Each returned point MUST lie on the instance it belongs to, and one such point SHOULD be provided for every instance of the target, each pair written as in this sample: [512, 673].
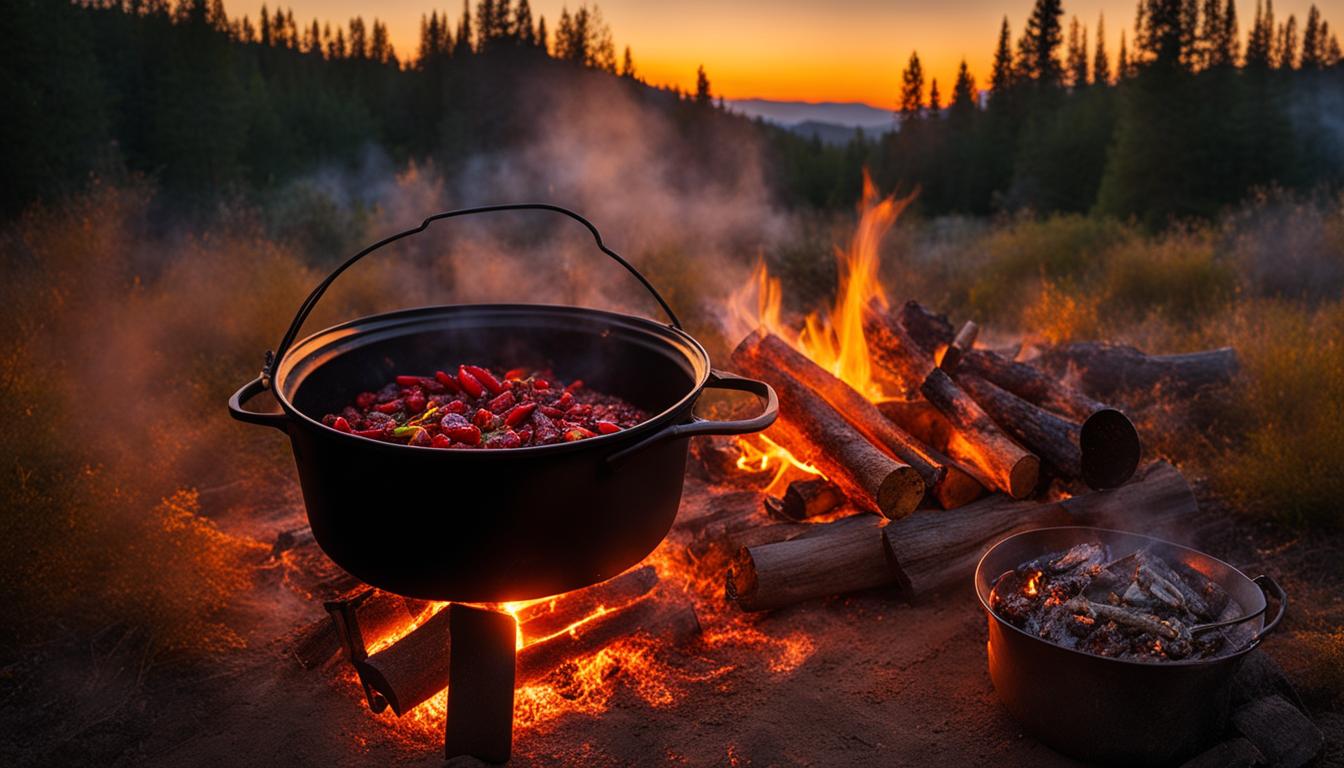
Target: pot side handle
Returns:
[1270, 587]
[248, 391]
[697, 426]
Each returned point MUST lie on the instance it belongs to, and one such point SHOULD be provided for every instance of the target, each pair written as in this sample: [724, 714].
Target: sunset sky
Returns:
[841, 50]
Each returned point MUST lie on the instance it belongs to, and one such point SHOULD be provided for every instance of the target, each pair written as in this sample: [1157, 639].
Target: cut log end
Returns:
[1110, 449]
[1023, 476]
[900, 493]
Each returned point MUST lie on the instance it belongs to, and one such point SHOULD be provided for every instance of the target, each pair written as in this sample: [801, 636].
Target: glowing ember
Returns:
[1033, 585]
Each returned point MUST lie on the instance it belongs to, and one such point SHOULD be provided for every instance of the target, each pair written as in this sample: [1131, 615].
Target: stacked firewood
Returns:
[972, 422]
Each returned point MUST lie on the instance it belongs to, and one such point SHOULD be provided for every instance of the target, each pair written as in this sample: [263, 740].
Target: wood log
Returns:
[816, 433]
[769, 534]
[672, 621]
[929, 330]
[932, 551]
[1105, 369]
[961, 483]
[893, 350]
[550, 616]
[844, 556]
[979, 441]
[962, 343]
[415, 667]
[950, 484]
[377, 614]
[479, 722]
[1286, 737]
[1031, 384]
[809, 498]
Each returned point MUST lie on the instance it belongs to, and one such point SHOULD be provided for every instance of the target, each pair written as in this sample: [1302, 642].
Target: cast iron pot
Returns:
[1115, 711]
[493, 525]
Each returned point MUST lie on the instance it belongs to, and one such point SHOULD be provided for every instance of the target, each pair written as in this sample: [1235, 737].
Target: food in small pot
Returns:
[1138, 607]
[474, 407]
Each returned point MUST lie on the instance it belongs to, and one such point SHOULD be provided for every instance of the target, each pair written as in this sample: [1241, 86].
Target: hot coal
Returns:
[477, 408]
[1138, 606]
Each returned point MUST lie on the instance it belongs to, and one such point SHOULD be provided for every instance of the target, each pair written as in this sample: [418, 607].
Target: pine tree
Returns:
[1230, 42]
[359, 44]
[543, 38]
[1287, 46]
[702, 94]
[1122, 65]
[522, 24]
[912, 89]
[1312, 55]
[265, 22]
[1259, 45]
[1001, 76]
[935, 98]
[1075, 56]
[1333, 57]
[463, 45]
[1190, 34]
[628, 64]
[1038, 50]
[1210, 35]
[1164, 39]
[1101, 65]
[963, 92]
[314, 42]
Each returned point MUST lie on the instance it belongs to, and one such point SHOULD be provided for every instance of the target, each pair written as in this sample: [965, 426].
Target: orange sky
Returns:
[841, 50]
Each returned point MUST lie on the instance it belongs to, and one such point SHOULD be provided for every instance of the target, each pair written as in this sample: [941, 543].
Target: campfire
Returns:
[902, 450]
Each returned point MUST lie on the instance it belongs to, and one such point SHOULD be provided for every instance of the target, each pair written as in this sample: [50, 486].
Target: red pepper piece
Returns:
[565, 401]
[577, 433]
[506, 439]
[485, 377]
[607, 427]
[468, 382]
[447, 380]
[573, 385]
[541, 385]
[519, 414]
[365, 400]
[483, 419]
[415, 402]
[554, 413]
[391, 406]
[408, 381]
[515, 374]
[441, 441]
[467, 433]
[456, 406]
[502, 403]
[525, 435]
[341, 425]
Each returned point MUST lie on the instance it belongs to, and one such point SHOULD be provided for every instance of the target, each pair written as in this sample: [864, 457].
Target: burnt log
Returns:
[1105, 369]
[893, 350]
[674, 622]
[809, 498]
[843, 556]
[962, 343]
[374, 612]
[929, 330]
[816, 433]
[979, 441]
[547, 617]
[961, 483]
[1104, 450]
[1286, 737]
[415, 667]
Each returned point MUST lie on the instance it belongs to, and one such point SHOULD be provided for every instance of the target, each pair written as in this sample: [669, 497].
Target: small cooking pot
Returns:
[493, 525]
[1117, 711]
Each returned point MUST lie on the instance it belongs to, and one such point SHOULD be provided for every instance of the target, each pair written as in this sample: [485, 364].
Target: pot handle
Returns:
[272, 358]
[696, 426]
[1269, 586]
[248, 391]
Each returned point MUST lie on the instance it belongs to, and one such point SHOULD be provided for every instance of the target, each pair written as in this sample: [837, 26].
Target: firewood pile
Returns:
[912, 490]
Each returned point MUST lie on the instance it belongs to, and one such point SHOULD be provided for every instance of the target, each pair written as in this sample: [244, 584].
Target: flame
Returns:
[761, 454]
[1033, 586]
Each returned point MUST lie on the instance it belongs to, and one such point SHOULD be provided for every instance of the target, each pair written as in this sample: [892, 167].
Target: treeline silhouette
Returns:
[209, 105]
[1184, 122]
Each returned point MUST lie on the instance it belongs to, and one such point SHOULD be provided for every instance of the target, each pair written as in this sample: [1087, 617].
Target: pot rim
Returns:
[979, 567]
[652, 328]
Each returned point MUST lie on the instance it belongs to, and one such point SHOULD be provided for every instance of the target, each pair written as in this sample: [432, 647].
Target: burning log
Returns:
[809, 498]
[1011, 468]
[815, 432]
[415, 667]
[550, 616]
[927, 329]
[843, 556]
[950, 484]
[1105, 369]
[961, 484]
[894, 350]
[673, 622]
[961, 344]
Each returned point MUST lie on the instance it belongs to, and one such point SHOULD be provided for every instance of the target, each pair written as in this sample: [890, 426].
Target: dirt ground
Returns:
[856, 680]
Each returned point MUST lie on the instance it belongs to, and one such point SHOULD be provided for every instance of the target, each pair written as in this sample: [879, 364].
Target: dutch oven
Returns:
[504, 524]
[1119, 711]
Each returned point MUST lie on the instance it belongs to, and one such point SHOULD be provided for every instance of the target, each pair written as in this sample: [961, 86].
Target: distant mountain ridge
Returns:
[848, 114]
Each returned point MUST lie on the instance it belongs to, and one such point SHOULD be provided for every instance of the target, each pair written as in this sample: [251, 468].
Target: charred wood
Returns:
[1105, 369]
[979, 441]
[674, 622]
[809, 498]
[839, 557]
[550, 616]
